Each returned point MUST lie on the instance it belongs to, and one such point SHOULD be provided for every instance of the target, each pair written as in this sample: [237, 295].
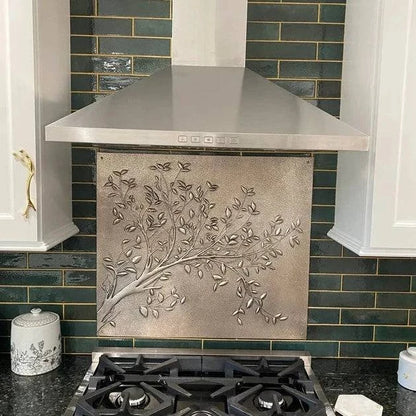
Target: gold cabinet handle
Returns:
[24, 158]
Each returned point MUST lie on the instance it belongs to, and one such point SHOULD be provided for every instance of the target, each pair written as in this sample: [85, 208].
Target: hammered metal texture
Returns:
[203, 246]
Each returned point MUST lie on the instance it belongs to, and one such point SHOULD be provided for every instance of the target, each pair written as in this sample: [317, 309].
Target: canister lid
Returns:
[35, 318]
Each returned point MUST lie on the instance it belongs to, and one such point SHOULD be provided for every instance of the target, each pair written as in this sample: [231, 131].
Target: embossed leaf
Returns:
[216, 277]
[160, 297]
[240, 322]
[112, 323]
[155, 313]
[144, 311]
[136, 259]
[200, 274]
[187, 268]
[183, 300]
[223, 283]
[249, 302]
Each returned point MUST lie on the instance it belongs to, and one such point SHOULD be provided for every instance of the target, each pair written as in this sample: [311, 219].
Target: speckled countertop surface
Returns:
[49, 394]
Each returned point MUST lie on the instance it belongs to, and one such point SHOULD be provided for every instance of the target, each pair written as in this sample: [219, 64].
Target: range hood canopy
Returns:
[207, 98]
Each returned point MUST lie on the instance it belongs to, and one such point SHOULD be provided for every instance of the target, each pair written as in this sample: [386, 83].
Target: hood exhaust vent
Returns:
[207, 98]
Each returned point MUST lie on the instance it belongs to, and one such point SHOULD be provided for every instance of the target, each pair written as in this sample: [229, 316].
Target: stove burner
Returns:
[136, 395]
[202, 413]
[267, 398]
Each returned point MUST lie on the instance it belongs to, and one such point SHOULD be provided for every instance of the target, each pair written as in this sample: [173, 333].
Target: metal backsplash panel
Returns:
[203, 246]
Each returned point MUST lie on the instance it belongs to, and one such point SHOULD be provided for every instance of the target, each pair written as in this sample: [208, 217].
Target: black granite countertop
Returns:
[49, 394]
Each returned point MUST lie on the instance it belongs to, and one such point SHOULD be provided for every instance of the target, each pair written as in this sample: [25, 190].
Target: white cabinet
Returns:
[376, 202]
[34, 91]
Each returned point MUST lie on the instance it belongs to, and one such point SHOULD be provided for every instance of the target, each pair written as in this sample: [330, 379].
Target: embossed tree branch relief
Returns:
[173, 228]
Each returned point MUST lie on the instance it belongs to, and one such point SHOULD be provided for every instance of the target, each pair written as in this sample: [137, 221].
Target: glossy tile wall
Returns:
[358, 307]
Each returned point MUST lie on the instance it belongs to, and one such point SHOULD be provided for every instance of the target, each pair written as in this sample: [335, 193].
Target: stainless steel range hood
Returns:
[207, 98]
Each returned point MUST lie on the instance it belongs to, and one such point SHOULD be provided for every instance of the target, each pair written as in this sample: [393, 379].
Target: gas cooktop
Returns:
[147, 382]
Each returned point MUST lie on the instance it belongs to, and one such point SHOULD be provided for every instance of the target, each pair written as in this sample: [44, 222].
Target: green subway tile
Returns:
[80, 100]
[299, 88]
[311, 70]
[340, 333]
[11, 260]
[68, 295]
[324, 282]
[135, 46]
[324, 179]
[100, 26]
[86, 226]
[30, 277]
[396, 300]
[374, 316]
[83, 82]
[83, 156]
[377, 283]
[120, 65]
[115, 83]
[4, 344]
[329, 89]
[78, 329]
[5, 328]
[82, 7]
[280, 50]
[13, 294]
[414, 284]
[167, 343]
[81, 312]
[80, 278]
[330, 51]
[109, 342]
[153, 27]
[282, 12]
[370, 350]
[323, 316]
[323, 214]
[10, 311]
[317, 349]
[325, 248]
[264, 68]
[83, 209]
[312, 32]
[234, 344]
[60, 260]
[343, 265]
[325, 161]
[323, 196]
[342, 299]
[397, 266]
[83, 173]
[83, 44]
[262, 31]
[312, 1]
[146, 66]
[348, 253]
[412, 318]
[142, 8]
[83, 191]
[390, 333]
[80, 345]
[320, 231]
[80, 243]
[332, 13]
[330, 106]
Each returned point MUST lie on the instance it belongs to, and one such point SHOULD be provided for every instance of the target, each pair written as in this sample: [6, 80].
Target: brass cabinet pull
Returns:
[24, 158]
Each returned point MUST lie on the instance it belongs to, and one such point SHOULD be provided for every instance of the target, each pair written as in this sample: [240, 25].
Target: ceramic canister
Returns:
[35, 342]
[407, 368]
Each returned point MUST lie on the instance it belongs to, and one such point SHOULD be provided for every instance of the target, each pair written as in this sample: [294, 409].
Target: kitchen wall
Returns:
[359, 307]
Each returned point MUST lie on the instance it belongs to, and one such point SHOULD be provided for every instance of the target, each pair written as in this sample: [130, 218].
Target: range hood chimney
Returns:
[207, 98]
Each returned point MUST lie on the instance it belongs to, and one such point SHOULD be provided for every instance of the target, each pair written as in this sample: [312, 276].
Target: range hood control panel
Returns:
[198, 140]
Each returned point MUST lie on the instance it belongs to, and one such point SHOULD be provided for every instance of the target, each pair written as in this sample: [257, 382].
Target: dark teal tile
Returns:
[395, 333]
[108, 64]
[312, 1]
[330, 106]
[142, 8]
[323, 196]
[370, 350]
[115, 83]
[4, 344]
[348, 253]
[299, 88]
[83, 173]
[83, 44]
[413, 283]
[134, 46]
[146, 66]
[330, 51]
[412, 318]
[61, 260]
[86, 226]
[100, 26]
[80, 278]
[13, 294]
[324, 282]
[10, 260]
[80, 100]
[83, 209]
[397, 266]
[396, 300]
[83, 191]
[83, 156]
[83, 82]
[63, 294]
[282, 12]
[80, 243]
[373, 317]
[80, 345]
[312, 32]
[342, 299]
[325, 248]
[280, 50]
[377, 283]
[31, 277]
[153, 27]
[240, 344]
[108, 342]
[82, 7]
[10, 311]
[325, 161]
[332, 13]
[311, 70]
[323, 316]
[323, 214]
[320, 231]
[78, 329]
[264, 68]
[5, 328]
[262, 31]
[81, 312]
[340, 333]
[317, 349]
[343, 265]
[167, 343]
[329, 89]
[324, 179]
